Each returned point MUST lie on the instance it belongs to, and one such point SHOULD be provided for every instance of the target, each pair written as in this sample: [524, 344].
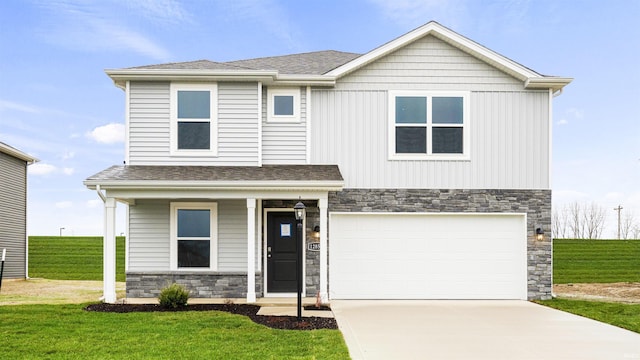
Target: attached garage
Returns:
[427, 256]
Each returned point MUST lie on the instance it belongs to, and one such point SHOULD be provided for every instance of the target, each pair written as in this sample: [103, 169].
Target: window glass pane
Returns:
[194, 223]
[447, 110]
[194, 253]
[194, 105]
[411, 109]
[283, 105]
[194, 135]
[411, 140]
[447, 140]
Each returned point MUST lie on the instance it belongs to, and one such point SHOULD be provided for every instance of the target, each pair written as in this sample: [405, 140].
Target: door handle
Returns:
[268, 251]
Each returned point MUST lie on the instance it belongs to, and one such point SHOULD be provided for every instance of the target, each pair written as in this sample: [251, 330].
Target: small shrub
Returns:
[173, 296]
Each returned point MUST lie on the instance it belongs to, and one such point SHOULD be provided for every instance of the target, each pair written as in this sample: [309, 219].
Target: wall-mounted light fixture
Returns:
[539, 234]
[316, 231]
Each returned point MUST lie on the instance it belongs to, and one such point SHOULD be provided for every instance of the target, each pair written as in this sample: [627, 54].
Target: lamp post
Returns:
[299, 212]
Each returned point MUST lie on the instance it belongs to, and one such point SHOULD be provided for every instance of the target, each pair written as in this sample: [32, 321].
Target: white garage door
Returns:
[427, 256]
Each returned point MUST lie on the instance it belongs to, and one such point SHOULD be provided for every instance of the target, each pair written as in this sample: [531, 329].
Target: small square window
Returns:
[283, 105]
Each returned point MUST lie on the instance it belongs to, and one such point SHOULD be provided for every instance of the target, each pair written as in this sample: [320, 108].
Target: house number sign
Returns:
[314, 246]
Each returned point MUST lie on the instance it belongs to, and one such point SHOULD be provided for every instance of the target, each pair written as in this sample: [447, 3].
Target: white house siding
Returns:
[509, 126]
[149, 235]
[284, 143]
[13, 202]
[149, 126]
[429, 64]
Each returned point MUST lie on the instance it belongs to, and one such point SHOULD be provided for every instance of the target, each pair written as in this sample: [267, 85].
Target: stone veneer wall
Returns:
[535, 203]
[201, 285]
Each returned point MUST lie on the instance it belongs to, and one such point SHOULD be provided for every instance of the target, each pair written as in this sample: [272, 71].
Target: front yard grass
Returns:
[71, 257]
[596, 261]
[626, 316]
[69, 332]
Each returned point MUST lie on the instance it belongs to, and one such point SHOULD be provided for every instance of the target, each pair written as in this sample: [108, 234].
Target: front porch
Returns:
[239, 242]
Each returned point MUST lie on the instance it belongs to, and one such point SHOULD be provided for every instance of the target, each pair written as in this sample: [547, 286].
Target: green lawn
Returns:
[626, 316]
[68, 332]
[596, 261]
[71, 257]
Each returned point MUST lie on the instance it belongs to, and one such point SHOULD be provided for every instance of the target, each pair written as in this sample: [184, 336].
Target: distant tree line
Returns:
[587, 221]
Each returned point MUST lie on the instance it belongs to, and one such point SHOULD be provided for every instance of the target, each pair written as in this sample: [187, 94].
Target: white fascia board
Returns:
[17, 154]
[442, 33]
[218, 185]
[304, 80]
[120, 76]
[547, 82]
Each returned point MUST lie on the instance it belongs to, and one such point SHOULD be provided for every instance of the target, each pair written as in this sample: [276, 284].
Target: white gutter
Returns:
[555, 83]
[222, 185]
[99, 191]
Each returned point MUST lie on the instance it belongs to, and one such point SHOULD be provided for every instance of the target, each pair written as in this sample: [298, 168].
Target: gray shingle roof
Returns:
[274, 173]
[311, 63]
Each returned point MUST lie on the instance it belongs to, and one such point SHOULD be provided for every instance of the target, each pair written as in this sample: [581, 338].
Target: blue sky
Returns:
[57, 104]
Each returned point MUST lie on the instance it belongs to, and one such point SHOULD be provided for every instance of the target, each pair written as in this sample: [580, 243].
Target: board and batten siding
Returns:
[509, 125]
[149, 235]
[284, 143]
[13, 207]
[149, 126]
[509, 144]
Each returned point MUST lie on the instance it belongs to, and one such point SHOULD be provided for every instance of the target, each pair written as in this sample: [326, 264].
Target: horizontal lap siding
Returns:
[284, 143]
[13, 175]
[509, 127]
[149, 125]
[149, 235]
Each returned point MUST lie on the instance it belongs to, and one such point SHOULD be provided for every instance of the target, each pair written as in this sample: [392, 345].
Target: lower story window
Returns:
[193, 232]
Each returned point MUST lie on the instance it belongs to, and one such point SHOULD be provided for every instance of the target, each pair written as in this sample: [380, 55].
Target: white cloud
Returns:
[41, 169]
[68, 155]
[418, 12]
[100, 26]
[64, 204]
[575, 113]
[10, 105]
[68, 171]
[92, 204]
[165, 11]
[563, 122]
[108, 134]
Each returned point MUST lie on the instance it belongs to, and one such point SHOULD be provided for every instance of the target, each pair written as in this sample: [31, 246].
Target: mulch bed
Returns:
[275, 322]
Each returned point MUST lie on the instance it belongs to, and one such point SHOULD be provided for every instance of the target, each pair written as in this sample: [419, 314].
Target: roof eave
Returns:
[18, 154]
[328, 185]
[547, 82]
[121, 76]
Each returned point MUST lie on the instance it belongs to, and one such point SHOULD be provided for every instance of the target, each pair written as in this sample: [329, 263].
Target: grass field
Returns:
[626, 316]
[68, 332]
[596, 261]
[71, 258]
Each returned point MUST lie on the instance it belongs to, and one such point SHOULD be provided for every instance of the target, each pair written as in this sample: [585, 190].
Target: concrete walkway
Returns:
[386, 329]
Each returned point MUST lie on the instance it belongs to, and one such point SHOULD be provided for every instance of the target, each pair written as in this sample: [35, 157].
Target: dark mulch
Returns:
[275, 322]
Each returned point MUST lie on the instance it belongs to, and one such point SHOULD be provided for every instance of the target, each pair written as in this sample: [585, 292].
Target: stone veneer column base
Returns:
[535, 203]
[201, 285]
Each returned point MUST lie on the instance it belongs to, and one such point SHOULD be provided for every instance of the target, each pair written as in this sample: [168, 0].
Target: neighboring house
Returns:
[424, 165]
[13, 210]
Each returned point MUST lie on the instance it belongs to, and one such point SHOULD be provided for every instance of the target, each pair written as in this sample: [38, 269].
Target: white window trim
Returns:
[213, 120]
[465, 95]
[173, 229]
[271, 93]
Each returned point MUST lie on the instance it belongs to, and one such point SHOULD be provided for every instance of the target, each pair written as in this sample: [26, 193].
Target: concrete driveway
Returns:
[435, 329]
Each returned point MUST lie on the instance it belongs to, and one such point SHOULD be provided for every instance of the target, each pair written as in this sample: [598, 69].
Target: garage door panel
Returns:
[427, 256]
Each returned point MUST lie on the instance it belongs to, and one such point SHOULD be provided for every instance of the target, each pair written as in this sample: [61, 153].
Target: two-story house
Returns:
[424, 166]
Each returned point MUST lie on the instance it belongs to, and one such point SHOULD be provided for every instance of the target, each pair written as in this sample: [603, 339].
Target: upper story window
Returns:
[193, 236]
[428, 125]
[283, 104]
[194, 119]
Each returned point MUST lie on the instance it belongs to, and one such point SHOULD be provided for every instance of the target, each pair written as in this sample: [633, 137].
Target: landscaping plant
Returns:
[174, 296]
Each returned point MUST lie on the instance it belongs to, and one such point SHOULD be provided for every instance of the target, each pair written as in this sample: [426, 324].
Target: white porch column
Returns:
[109, 251]
[324, 266]
[251, 250]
